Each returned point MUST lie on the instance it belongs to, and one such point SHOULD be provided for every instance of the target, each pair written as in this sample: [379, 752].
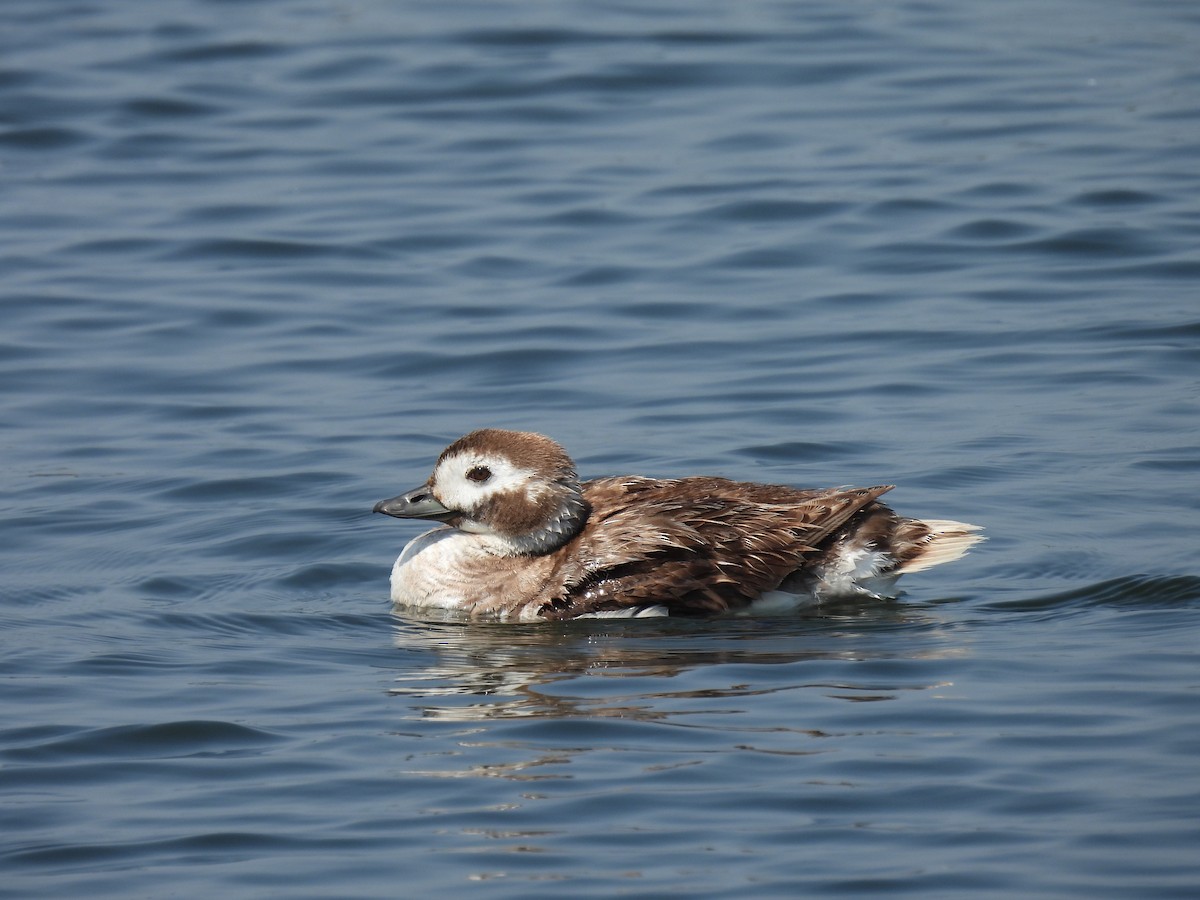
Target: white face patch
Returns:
[519, 509]
[465, 481]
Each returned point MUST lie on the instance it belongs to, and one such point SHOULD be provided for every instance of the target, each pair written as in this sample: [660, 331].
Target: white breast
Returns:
[428, 571]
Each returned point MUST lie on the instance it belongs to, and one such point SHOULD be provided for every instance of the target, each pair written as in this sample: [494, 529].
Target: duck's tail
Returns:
[944, 541]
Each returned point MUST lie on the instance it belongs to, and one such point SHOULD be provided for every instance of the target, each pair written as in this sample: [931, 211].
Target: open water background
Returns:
[261, 260]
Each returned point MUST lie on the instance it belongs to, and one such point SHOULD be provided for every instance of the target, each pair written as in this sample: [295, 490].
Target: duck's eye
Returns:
[479, 474]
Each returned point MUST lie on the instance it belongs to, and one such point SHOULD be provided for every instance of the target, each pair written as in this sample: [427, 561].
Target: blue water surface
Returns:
[261, 261]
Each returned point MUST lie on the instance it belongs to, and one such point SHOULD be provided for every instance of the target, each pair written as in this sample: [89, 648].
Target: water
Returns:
[261, 261]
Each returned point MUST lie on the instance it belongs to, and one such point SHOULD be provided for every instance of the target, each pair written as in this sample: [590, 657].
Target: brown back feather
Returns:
[696, 545]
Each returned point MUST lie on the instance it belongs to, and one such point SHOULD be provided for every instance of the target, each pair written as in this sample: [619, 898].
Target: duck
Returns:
[522, 539]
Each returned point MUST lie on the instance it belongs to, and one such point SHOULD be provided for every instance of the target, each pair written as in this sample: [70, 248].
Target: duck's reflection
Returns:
[471, 671]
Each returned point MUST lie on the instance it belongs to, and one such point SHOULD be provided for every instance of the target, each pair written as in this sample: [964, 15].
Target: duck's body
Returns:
[526, 541]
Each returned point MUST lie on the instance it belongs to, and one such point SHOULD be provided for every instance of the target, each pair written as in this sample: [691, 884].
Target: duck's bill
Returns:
[418, 503]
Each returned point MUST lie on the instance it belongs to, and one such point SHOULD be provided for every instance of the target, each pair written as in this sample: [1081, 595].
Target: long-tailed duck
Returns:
[525, 540]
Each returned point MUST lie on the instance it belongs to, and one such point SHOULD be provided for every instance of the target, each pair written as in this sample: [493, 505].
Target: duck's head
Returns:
[518, 488]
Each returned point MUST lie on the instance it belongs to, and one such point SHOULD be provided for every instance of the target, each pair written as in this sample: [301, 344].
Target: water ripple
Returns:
[169, 740]
[1128, 592]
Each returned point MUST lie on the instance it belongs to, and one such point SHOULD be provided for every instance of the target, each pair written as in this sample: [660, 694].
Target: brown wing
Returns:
[695, 545]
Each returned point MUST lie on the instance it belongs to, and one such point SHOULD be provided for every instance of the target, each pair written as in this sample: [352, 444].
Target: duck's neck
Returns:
[568, 520]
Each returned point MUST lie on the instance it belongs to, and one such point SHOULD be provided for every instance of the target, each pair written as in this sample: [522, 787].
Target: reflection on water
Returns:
[492, 671]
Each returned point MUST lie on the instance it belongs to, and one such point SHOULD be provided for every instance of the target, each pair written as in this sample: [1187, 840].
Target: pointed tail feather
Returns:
[947, 541]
